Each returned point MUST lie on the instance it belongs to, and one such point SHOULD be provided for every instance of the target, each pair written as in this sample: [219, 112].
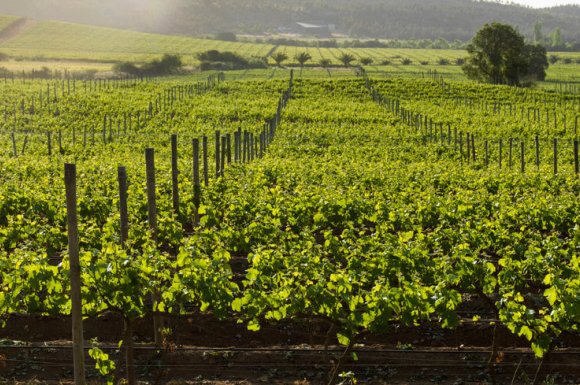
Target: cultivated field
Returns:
[290, 227]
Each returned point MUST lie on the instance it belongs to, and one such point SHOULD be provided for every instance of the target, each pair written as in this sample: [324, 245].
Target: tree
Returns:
[499, 55]
[325, 63]
[537, 61]
[302, 58]
[557, 39]
[538, 33]
[279, 57]
[346, 59]
[366, 61]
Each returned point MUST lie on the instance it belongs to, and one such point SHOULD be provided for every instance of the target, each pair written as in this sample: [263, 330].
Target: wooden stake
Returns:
[70, 176]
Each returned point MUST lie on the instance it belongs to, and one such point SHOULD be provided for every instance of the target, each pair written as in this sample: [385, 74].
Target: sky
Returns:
[545, 3]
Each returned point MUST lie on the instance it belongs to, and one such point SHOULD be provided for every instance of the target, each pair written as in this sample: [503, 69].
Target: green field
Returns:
[56, 44]
[348, 204]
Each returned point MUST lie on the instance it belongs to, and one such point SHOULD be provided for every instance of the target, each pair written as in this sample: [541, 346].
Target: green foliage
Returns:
[324, 63]
[498, 55]
[169, 64]
[366, 61]
[279, 57]
[216, 60]
[103, 363]
[346, 59]
[302, 58]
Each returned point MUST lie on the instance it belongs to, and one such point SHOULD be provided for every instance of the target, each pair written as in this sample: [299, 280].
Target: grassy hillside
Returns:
[6, 20]
[77, 47]
[59, 40]
[411, 19]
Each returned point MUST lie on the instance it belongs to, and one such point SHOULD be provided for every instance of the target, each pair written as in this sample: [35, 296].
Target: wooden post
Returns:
[223, 155]
[152, 217]
[473, 147]
[538, 152]
[511, 152]
[576, 165]
[14, 149]
[236, 152]
[500, 152]
[555, 156]
[49, 142]
[522, 152]
[245, 156]
[24, 144]
[486, 154]
[229, 148]
[174, 174]
[217, 153]
[196, 181]
[205, 160]
[70, 176]
[151, 199]
[123, 206]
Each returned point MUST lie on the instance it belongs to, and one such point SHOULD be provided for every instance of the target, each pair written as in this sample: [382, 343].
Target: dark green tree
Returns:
[302, 58]
[279, 57]
[499, 55]
[346, 59]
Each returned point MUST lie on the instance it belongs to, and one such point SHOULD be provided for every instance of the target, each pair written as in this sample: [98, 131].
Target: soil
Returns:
[15, 28]
[202, 350]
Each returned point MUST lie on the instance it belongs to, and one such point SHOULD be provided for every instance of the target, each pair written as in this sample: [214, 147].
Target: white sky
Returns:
[545, 3]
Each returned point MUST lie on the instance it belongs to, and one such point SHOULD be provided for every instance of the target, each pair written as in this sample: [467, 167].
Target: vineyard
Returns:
[290, 229]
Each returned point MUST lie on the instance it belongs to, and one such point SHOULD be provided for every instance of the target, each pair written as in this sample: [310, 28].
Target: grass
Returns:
[76, 47]
[5, 21]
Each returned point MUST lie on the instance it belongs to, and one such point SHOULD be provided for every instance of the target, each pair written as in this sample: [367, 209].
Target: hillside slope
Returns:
[412, 19]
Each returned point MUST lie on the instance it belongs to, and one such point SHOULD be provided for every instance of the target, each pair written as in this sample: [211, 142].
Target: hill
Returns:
[412, 19]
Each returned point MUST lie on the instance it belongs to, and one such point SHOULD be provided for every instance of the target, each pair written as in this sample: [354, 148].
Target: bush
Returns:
[554, 59]
[126, 68]
[169, 64]
[366, 61]
[406, 61]
[223, 61]
[424, 62]
[459, 61]
[567, 60]
[386, 62]
[443, 62]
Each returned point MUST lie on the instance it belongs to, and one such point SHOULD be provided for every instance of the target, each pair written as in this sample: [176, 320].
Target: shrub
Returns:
[366, 61]
[325, 63]
[169, 64]
[346, 59]
[223, 61]
[424, 62]
[386, 62]
[443, 62]
[460, 61]
[567, 60]
[126, 68]
[554, 59]
[406, 61]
